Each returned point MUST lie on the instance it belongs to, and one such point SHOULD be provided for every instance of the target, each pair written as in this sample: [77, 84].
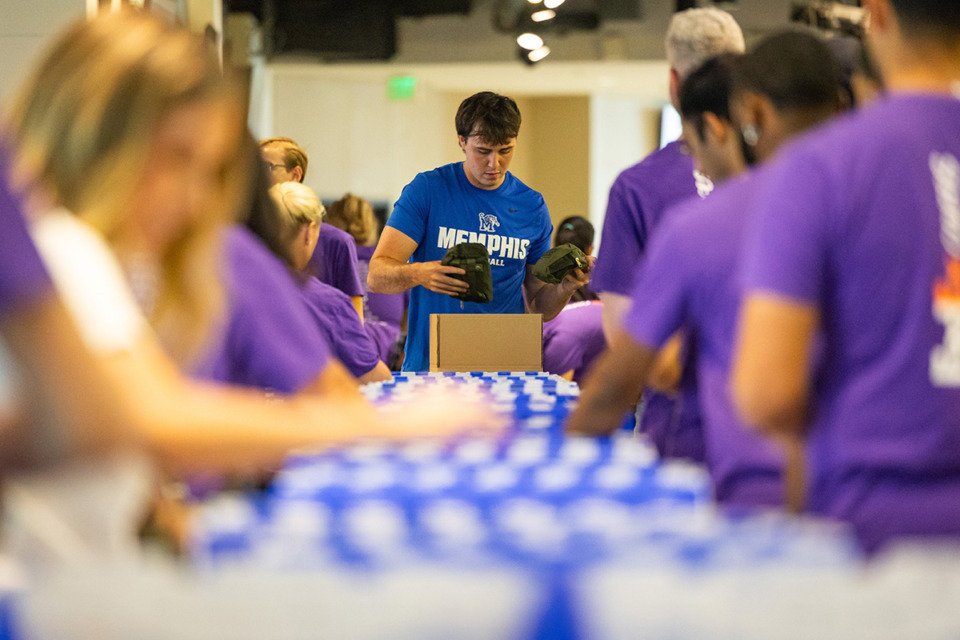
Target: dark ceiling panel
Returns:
[334, 29]
[431, 7]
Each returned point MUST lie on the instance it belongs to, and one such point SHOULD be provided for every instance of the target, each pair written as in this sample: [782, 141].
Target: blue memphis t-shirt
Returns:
[440, 209]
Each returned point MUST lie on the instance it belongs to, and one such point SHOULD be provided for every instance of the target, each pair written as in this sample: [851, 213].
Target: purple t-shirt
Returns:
[383, 307]
[861, 221]
[385, 337]
[638, 199]
[270, 340]
[22, 274]
[337, 319]
[334, 261]
[689, 281]
[574, 339]
[383, 313]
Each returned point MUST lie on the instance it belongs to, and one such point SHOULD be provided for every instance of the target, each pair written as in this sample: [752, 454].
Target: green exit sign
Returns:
[401, 87]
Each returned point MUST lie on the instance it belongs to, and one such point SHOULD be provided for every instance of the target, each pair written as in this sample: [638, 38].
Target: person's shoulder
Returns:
[331, 233]
[673, 156]
[365, 252]
[60, 226]
[321, 292]
[70, 247]
[844, 134]
[249, 258]
[444, 173]
[516, 188]
[693, 218]
[582, 317]
[237, 238]
[585, 307]
[426, 183]
[242, 244]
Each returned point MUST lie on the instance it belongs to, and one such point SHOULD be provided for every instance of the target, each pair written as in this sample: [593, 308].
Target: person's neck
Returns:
[924, 69]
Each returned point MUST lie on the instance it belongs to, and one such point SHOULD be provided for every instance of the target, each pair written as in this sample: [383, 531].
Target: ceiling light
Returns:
[543, 15]
[552, 4]
[538, 54]
[529, 41]
[534, 1]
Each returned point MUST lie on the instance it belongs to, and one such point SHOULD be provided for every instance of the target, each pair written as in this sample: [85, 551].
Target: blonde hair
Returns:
[354, 215]
[82, 126]
[293, 154]
[297, 204]
[696, 35]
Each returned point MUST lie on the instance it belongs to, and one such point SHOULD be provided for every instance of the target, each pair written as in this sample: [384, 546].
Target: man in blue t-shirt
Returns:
[476, 200]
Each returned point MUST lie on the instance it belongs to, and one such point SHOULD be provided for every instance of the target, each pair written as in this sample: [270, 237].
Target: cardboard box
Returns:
[486, 342]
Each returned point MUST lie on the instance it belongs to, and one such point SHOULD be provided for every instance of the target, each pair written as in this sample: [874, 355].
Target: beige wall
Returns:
[553, 150]
[556, 140]
[357, 139]
[570, 147]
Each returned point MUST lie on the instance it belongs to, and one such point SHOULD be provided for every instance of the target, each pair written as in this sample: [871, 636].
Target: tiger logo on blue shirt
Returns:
[488, 222]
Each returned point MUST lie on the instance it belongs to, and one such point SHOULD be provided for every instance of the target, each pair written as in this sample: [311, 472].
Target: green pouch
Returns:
[556, 263]
[473, 258]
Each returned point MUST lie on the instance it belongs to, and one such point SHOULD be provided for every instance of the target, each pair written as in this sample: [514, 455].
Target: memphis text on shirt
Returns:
[499, 247]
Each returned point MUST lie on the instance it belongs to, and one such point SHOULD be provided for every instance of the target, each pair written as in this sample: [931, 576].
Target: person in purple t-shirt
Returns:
[334, 259]
[301, 213]
[688, 279]
[574, 339]
[270, 340]
[384, 314]
[638, 199]
[854, 236]
[640, 194]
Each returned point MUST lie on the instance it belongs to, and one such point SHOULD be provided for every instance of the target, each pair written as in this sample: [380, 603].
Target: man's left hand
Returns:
[577, 278]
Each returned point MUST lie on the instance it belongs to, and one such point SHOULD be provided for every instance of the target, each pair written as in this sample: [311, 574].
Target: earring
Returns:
[750, 135]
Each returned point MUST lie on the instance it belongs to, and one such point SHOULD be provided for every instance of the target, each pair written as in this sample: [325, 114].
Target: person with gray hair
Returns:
[693, 37]
[638, 198]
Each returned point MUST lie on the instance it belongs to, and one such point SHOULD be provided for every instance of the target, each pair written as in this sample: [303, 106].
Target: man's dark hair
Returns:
[938, 18]
[575, 230]
[489, 116]
[707, 90]
[795, 70]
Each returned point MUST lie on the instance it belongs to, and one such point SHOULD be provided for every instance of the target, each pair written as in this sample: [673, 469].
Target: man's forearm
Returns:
[615, 306]
[387, 275]
[612, 387]
[550, 300]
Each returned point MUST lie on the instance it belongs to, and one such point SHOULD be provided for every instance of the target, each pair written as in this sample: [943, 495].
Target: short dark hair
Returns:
[707, 90]
[794, 69]
[489, 116]
[575, 230]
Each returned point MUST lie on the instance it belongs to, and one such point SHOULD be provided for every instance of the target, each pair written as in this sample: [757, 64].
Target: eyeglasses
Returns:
[272, 165]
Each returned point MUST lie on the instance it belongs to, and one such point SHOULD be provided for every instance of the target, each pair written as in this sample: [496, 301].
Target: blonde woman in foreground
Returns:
[125, 142]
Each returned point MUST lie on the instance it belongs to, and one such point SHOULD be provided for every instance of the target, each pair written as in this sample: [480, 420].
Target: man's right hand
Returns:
[391, 273]
[437, 277]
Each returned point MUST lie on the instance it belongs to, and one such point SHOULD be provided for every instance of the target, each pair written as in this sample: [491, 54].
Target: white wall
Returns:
[622, 131]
